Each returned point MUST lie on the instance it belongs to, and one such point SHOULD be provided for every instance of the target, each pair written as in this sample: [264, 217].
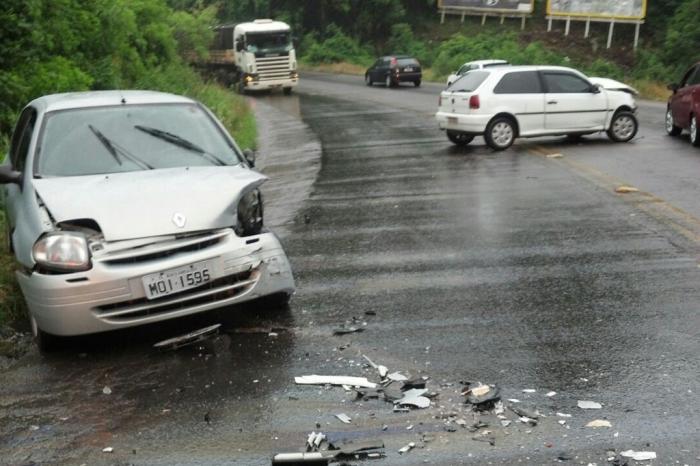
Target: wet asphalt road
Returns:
[512, 269]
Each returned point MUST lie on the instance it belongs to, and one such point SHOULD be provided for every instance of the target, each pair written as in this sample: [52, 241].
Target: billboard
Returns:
[610, 9]
[490, 6]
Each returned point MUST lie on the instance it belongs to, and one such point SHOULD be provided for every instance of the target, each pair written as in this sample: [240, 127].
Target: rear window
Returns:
[407, 62]
[519, 82]
[469, 82]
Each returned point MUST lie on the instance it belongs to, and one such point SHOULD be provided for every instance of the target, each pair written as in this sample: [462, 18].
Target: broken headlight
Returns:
[62, 251]
[250, 214]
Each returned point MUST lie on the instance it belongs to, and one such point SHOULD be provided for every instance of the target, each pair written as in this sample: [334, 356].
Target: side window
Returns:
[565, 83]
[519, 82]
[694, 78]
[387, 62]
[377, 63]
[688, 75]
[22, 136]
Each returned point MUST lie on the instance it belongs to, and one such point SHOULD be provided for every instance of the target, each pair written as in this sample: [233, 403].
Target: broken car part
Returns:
[188, 338]
[334, 380]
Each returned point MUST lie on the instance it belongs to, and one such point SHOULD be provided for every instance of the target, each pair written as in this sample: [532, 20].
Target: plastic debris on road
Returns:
[639, 455]
[589, 405]
[346, 330]
[107, 450]
[334, 380]
[344, 418]
[407, 448]
[397, 377]
[414, 397]
[626, 190]
[529, 390]
[599, 423]
[382, 370]
[188, 339]
[482, 397]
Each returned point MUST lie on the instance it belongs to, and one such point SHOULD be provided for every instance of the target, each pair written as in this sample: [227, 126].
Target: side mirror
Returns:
[250, 157]
[8, 175]
[673, 87]
[596, 88]
[239, 46]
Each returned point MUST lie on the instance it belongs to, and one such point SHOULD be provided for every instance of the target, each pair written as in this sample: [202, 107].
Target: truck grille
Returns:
[270, 68]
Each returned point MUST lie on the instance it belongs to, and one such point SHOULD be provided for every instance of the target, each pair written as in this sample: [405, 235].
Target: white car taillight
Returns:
[62, 251]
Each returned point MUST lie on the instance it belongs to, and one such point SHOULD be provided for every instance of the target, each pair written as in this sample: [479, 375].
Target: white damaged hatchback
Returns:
[131, 207]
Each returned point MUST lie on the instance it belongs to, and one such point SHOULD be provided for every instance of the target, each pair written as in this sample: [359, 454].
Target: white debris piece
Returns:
[563, 415]
[334, 380]
[461, 422]
[107, 390]
[383, 370]
[513, 400]
[529, 390]
[397, 377]
[480, 390]
[562, 422]
[498, 408]
[551, 394]
[107, 450]
[639, 455]
[589, 405]
[599, 423]
[414, 397]
[344, 418]
[407, 448]
[505, 422]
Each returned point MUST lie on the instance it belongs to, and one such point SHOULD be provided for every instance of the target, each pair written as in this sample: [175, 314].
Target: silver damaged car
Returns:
[131, 207]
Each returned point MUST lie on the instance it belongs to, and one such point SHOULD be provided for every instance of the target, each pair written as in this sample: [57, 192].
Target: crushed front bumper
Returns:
[111, 295]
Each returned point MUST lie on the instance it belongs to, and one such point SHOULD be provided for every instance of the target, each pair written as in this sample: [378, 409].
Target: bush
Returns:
[402, 41]
[335, 47]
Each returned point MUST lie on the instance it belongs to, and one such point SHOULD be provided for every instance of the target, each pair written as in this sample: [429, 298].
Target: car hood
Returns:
[145, 203]
[612, 85]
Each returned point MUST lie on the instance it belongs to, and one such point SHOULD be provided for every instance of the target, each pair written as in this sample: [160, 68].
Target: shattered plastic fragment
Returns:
[334, 380]
[529, 390]
[107, 450]
[346, 330]
[589, 405]
[526, 412]
[551, 394]
[554, 156]
[344, 418]
[381, 369]
[188, 339]
[626, 189]
[414, 397]
[397, 377]
[527, 420]
[505, 422]
[407, 448]
[513, 400]
[599, 423]
[563, 415]
[639, 455]
[480, 390]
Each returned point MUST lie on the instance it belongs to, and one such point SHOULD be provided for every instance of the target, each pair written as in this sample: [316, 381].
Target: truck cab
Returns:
[264, 55]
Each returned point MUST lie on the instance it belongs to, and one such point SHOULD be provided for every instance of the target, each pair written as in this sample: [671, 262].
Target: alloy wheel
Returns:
[502, 133]
[623, 127]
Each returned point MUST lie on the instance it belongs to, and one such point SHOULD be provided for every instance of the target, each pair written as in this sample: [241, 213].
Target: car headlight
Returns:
[62, 251]
[250, 214]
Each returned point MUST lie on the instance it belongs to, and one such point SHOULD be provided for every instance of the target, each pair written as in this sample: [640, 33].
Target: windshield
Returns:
[408, 62]
[469, 82]
[268, 42]
[91, 141]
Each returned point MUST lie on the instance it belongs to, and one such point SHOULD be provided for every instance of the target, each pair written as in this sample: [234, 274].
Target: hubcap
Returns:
[623, 127]
[693, 130]
[669, 122]
[502, 133]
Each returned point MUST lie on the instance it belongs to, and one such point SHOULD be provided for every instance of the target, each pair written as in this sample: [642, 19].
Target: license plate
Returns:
[408, 68]
[176, 280]
[452, 120]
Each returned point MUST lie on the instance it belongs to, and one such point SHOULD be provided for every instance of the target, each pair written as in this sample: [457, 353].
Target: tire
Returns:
[368, 80]
[287, 90]
[694, 135]
[671, 127]
[388, 82]
[573, 138]
[459, 138]
[416, 83]
[500, 133]
[623, 127]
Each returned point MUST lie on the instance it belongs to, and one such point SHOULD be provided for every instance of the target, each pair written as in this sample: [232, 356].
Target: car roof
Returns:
[485, 62]
[72, 100]
[510, 69]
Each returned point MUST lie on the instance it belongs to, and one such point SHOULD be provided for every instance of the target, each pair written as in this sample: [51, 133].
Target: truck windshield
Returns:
[88, 141]
[268, 42]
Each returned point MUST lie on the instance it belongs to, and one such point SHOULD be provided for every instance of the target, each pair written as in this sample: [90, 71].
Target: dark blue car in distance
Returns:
[391, 70]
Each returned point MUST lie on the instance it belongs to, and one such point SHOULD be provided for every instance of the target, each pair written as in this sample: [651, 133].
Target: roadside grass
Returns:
[651, 90]
[338, 68]
[12, 307]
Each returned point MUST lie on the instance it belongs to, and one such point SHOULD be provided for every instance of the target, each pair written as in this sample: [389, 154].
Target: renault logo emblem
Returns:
[179, 220]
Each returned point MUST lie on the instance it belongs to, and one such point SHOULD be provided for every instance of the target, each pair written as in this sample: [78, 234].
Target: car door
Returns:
[373, 73]
[572, 103]
[521, 93]
[682, 99]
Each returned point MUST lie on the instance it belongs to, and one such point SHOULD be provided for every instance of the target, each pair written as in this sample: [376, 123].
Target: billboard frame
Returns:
[485, 12]
[598, 15]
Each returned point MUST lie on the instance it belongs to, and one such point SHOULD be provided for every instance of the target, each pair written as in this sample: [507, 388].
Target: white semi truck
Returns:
[253, 56]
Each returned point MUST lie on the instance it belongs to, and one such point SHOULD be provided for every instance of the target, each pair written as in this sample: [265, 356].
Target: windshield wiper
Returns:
[107, 143]
[180, 142]
[115, 149]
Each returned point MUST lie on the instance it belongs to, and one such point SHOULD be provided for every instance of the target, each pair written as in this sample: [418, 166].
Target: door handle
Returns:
[552, 102]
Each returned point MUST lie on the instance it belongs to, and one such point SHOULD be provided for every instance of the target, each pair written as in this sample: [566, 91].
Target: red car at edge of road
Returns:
[683, 111]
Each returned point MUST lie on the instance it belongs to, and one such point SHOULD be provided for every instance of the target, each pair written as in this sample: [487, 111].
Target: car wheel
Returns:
[671, 127]
[287, 90]
[623, 127]
[500, 133]
[459, 138]
[388, 82]
[416, 83]
[44, 341]
[368, 80]
[694, 136]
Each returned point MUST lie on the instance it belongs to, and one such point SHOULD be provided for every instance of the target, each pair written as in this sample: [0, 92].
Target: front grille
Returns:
[272, 68]
[162, 250]
[217, 290]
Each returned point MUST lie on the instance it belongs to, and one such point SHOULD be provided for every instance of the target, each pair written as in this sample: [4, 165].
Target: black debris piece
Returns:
[188, 339]
[369, 393]
[525, 411]
[486, 401]
[347, 330]
[563, 456]
[476, 426]
[413, 383]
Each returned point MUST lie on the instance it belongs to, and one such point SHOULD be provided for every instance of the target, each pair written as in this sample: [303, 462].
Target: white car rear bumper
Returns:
[473, 124]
